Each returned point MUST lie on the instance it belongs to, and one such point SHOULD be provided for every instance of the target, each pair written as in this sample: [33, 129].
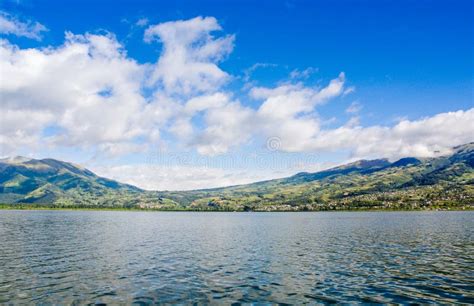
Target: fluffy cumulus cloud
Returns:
[188, 63]
[89, 93]
[287, 113]
[87, 88]
[227, 126]
[12, 25]
[195, 106]
[425, 137]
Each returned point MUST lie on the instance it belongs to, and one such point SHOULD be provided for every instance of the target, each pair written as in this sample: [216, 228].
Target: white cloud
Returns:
[354, 108]
[249, 71]
[291, 100]
[425, 137]
[188, 63]
[11, 25]
[157, 177]
[303, 74]
[19, 128]
[91, 91]
[349, 90]
[202, 103]
[226, 127]
[182, 171]
[142, 22]
[286, 113]
[64, 87]
[182, 126]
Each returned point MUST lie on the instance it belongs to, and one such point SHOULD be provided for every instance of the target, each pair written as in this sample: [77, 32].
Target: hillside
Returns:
[408, 183]
[47, 181]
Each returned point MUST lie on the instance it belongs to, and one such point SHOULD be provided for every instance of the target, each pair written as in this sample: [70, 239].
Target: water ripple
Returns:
[288, 258]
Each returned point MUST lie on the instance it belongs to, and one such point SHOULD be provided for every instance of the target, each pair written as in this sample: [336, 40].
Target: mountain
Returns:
[48, 181]
[409, 183]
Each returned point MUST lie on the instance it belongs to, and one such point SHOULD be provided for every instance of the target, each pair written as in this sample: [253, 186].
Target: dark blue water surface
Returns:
[179, 257]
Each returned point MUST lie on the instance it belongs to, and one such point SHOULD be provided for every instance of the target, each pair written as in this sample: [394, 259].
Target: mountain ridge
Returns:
[45, 180]
[367, 183]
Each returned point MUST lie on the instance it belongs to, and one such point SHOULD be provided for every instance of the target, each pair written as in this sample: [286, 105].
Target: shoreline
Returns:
[10, 207]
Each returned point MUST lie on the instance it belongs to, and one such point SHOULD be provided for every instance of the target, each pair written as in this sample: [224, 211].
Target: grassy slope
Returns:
[410, 183]
[49, 181]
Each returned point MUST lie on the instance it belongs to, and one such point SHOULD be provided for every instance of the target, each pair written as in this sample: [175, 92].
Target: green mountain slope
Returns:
[51, 181]
[408, 183]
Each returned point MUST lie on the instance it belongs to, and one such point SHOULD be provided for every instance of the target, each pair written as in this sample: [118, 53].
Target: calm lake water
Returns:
[148, 257]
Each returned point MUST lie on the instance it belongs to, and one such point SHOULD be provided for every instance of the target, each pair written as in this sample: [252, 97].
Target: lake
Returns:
[175, 257]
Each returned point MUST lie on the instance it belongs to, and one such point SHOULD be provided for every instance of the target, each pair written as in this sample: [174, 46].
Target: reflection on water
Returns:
[88, 257]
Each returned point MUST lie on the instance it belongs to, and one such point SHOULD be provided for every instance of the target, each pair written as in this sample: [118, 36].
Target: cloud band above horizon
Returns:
[88, 93]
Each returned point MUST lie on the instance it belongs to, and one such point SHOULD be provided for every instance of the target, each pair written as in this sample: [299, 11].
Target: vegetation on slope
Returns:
[409, 183]
[50, 181]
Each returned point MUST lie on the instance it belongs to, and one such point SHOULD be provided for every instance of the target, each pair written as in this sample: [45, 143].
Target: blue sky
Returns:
[407, 78]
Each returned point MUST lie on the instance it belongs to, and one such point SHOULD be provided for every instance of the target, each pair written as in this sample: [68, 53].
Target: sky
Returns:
[178, 95]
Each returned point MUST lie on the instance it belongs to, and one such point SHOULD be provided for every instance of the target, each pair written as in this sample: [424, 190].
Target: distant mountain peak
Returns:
[16, 159]
[406, 161]
[464, 147]
[28, 180]
[365, 163]
[363, 183]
